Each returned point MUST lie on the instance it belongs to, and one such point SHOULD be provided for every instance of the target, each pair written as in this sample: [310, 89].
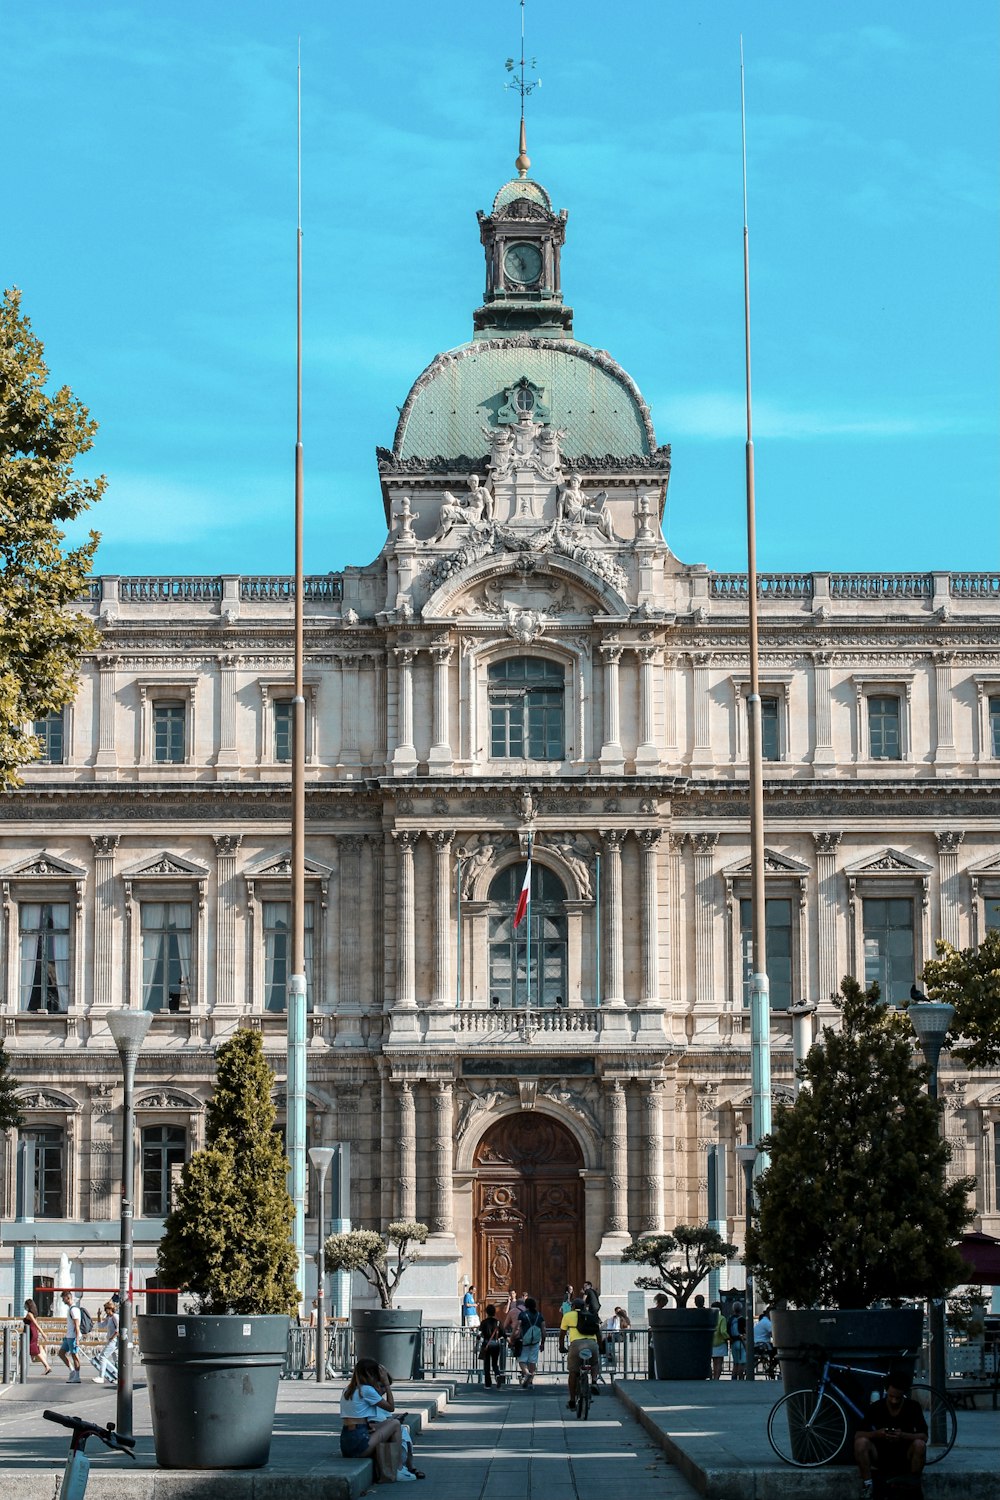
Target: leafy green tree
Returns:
[969, 979]
[855, 1206]
[701, 1249]
[41, 641]
[227, 1238]
[367, 1251]
[10, 1113]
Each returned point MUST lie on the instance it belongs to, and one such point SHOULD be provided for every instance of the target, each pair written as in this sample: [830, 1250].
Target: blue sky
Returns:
[150, 181]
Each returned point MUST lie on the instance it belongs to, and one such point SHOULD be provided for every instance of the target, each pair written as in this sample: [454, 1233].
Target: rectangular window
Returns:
[168, 733]
[778, 950]
[44, 931]
[50, 1152]
[50, 731]
[991, 912]
[770, 749]
[890, 954]
[883, 729]
[527, 707]
[166, 955]
[995, 728]
[283, 731]
[278, 953]
[164, 1149]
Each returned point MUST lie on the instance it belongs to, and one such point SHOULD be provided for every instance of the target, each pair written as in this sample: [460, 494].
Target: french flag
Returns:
[524, 898]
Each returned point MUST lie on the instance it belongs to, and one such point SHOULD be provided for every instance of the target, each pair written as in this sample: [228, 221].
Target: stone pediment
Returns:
[166, 866]
[987, 867]
[45, 1099]
[889, 862]
[43, 866]
[774, 864]
[166, 1100]
[279, 867]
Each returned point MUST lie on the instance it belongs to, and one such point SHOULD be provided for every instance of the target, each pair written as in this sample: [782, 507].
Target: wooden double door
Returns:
[528, 1212]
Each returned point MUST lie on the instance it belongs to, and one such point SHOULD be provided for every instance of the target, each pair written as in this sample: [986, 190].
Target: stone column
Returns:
[378, 923]
[949, 844]
[349, 1008]
[945, 756]
[406, 1154]
[226, 931]
[107, 744]
[616, 1114]
[440, 757]
[823, 754]
[441, 840]
[105, 991]
[652, 1135]
[228, 755]
[649, 839]
[647, 756]
[828, 968]
[612, 755]
[350, 756]
[404, 760]
[441, 1185]
[380, 734]
[614, 956]
[702, 752]
[704, 919]
[406, 935]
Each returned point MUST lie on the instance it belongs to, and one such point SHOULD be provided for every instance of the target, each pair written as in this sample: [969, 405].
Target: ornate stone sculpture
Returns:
[478, 857]
[573, 509]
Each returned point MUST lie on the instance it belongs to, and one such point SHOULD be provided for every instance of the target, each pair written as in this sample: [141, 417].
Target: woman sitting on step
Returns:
[370, 1430]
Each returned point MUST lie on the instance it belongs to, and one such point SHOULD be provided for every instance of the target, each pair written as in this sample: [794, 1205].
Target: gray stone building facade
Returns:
[524, 662]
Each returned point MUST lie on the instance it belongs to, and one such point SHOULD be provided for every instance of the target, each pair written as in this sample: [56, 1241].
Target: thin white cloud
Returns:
[721, 415]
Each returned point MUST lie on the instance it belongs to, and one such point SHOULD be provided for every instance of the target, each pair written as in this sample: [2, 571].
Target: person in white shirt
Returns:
[109, 1324]
[366, 1409]
[69, 1349]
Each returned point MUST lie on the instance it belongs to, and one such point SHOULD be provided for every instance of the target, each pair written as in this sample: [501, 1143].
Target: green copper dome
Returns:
[580, 390]
[521, 187]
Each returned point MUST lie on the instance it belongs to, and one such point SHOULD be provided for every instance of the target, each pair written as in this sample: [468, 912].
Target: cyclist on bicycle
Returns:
[897, 1443]
[582, 1330]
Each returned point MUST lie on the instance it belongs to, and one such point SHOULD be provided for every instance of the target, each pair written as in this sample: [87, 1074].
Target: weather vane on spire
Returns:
[523, 86]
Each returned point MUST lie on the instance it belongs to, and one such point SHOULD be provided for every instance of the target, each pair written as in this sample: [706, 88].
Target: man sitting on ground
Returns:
[897, 1439]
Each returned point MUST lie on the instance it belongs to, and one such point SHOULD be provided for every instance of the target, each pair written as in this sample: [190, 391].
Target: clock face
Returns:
[522, 263]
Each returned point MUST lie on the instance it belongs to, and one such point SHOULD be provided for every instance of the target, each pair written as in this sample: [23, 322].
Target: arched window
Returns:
[527, 716]
[546, 940]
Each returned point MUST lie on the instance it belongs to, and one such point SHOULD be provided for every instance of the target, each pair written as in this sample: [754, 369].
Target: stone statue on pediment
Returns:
[574, 510]
[452, 514]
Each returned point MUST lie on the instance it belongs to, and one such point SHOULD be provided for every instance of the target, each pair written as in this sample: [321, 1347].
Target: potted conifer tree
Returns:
[388, 1334]
[856, 1213]
[213, 1377]
[682, 1335]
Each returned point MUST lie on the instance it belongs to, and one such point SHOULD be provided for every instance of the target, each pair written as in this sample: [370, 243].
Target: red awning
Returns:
[981, 1253]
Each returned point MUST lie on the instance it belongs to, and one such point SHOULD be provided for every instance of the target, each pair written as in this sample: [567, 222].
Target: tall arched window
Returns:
[527, 710]
[546, 940]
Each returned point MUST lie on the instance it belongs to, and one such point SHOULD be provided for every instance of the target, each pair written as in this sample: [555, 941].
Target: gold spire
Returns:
[523, 161]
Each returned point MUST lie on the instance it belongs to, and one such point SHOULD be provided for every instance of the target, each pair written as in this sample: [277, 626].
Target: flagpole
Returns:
[527, 941]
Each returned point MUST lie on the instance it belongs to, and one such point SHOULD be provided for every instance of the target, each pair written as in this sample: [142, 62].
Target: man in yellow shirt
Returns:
[579, 1338]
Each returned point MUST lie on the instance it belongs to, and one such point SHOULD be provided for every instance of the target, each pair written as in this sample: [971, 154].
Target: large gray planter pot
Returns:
[390, 1336]
[682, 1341]
[878, 1338]
[213, 1387]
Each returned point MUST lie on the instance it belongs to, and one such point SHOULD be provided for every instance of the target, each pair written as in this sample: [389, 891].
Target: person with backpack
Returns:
[532, 1342]
[582, 1330]
[491, 1339]
[738, 1342]
[720, 1342]
[69, 1349]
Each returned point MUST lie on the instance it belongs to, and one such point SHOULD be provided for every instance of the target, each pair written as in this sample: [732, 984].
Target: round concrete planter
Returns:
[391, 1336]
[213, 1387]
[682, 1341]
[879, 1338]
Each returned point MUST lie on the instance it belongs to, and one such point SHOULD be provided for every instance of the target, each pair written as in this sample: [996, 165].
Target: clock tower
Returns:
[523, 237]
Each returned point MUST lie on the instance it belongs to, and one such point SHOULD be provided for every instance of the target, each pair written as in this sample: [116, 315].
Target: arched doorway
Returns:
[528, 1222]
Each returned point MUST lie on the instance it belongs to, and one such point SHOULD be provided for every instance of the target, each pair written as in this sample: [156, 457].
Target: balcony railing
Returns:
[551, 1023]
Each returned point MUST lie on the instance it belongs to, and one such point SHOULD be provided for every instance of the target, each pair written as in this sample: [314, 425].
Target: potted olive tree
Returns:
[213, 1376]
[682, 1335]
[856, 1213]
[388, 1334]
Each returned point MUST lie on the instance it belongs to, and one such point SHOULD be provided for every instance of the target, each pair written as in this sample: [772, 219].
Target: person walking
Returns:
[109, 1324]
[720, 1342]
[69, 1349]
[591, 1297]
[490, 1341]
[36, 1338]
[738, 1342]
[532, 1342]
[470, 1313]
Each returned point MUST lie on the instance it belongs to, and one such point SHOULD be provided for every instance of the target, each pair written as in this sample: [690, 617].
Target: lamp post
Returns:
[128, 1027]
[747, 1158]
[321, 1157]
[930, 1020]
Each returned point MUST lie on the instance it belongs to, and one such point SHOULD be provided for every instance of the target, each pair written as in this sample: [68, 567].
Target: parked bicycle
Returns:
[77, 1470]
[808, 1428]
[584, 1385]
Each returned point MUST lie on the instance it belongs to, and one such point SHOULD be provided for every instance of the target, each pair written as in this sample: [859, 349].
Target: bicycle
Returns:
[77, 1470]
[584, 1385]
[808, 1428]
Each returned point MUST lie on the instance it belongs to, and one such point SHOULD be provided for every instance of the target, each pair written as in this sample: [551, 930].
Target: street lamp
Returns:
[747, 1158]
[930, 1020]
[321, 1157]
[128, 1027]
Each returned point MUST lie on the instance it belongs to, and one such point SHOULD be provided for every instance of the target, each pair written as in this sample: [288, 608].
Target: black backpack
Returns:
[588, 1324]
[86, 1321]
